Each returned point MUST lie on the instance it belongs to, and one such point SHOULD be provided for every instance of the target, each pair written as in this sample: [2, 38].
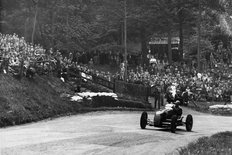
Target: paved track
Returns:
[109, 132]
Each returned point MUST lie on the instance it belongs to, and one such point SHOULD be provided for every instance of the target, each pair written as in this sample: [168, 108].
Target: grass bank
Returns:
[218, 144]
[23, 101]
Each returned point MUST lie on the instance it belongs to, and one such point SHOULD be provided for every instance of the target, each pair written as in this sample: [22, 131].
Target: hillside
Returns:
[27, 100]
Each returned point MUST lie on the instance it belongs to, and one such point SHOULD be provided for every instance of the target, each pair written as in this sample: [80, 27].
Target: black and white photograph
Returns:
[115, 77]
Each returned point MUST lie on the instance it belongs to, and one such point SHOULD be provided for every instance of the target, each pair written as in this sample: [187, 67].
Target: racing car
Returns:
[169, 117]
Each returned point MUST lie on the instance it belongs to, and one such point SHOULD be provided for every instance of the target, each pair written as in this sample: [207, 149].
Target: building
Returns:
[159, 48]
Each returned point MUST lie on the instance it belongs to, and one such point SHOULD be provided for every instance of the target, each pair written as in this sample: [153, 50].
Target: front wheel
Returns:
[143, 120]
[157, 120]
[189, 122]
[173, 123]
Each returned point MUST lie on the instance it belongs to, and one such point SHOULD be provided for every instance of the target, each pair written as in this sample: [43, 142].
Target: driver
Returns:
[177, 109]
[186, 95]
[173, 109]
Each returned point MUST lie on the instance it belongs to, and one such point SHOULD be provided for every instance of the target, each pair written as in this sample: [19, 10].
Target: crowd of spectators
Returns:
[16, 52]
[212, 84]
[15, 48]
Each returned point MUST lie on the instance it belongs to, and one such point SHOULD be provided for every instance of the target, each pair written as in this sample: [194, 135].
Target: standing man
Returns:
[162, 93]
[157, 95]
[122, 70]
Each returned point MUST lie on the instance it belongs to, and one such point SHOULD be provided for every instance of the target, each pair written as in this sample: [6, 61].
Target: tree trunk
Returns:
[144, 49]
[42, 36]
[180, 17]
[125, 39]
[53, 28]
[199, 36]
[67, 14]
[52, 13]
[181, 38]
[169, 46]
[121, 38]
[25, 28]
[34, 24]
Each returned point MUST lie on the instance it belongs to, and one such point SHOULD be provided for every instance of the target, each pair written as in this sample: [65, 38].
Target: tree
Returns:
[98, 24]
[35, 2]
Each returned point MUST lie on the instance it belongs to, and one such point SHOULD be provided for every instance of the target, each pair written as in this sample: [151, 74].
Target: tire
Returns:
[157, 120]
[189, 122]
[143, 120]
[173, 123]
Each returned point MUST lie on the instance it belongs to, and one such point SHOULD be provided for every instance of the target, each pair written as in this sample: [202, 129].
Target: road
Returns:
[109, 132]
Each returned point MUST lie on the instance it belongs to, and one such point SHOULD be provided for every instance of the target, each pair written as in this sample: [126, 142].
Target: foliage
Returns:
[205, 44]
[84, 26]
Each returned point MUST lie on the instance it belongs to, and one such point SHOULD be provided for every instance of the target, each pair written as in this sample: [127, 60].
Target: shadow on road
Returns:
[179, 131]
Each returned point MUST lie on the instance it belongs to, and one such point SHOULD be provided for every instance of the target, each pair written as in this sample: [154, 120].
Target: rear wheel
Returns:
[143, 120]
[189, 122]
[173, 123]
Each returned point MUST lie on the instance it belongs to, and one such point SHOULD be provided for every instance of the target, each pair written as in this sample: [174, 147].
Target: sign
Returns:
[164, 40]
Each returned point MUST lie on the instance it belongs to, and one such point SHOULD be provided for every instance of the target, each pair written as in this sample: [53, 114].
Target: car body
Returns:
[169, 117]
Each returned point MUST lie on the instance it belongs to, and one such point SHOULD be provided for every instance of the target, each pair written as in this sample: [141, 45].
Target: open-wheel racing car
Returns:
[169, 117]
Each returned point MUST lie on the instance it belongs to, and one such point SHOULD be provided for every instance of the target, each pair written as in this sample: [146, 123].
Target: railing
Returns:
[93, 78]
[135, 90]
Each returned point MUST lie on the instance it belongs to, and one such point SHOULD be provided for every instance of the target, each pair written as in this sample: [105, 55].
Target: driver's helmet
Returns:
[177, 103]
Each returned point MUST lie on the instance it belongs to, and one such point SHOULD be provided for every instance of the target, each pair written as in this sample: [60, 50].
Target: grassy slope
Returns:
[218, 144]
[31, 100]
